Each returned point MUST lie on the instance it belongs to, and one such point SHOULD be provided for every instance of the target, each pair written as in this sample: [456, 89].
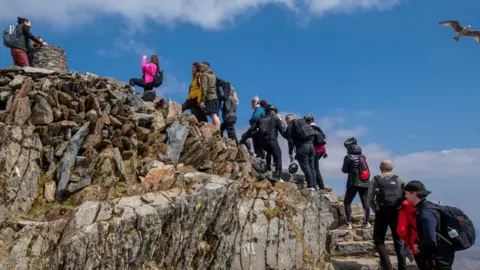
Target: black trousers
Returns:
[384, 218]
[306, 160]
[258, 147]
[194, 107]
[141, 83]
[421, 263]
[273, 148]
[347, 202]
[318, 175]
[440, 261]
[229, 126]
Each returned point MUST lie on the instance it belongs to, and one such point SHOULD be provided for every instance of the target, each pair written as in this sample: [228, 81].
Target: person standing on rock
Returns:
[300, 136]
[385, 196]
[209, 98]
[258, 111]
[21, 47]
[192, 102]
[229, 115]
[351, 166]
[149, 71]
[319, 143]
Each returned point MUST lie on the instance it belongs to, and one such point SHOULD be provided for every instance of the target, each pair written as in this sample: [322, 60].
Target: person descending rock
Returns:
[358, 180]
[268, 127]
[258, 112]
[319, 142]
[152, 77]
[19, 44]
[229, 115]
[192, 102]
[284, 126]
[209, 98]
[300, 136]
[407, 230]
[435, 252]
[385, 196]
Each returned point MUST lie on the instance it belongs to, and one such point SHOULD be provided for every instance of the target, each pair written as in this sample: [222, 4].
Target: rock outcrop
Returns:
[50, 57]
[93, 177]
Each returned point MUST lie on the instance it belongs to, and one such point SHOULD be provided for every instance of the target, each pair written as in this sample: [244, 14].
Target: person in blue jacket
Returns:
[436, 253]
[258, 111]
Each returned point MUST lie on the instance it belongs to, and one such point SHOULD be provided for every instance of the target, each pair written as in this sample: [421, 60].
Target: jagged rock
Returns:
[42, 111]
[49, 191]
[68, 159]
[176, 139]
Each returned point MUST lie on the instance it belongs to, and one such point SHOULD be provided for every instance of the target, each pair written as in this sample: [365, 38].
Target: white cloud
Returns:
[451, 165]
[209, 14]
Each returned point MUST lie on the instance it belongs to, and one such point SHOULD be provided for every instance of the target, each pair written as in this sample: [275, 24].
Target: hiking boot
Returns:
[366, 226]
[349, 226]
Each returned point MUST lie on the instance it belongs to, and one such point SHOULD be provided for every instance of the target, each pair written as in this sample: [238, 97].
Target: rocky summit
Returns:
[93, 177]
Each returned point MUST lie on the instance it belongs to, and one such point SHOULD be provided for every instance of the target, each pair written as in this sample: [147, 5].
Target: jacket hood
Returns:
[406, 206]
[354, 150]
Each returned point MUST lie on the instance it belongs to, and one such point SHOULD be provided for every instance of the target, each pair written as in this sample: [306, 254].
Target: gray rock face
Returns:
[42, 111]
[177, 134]
[50, 58]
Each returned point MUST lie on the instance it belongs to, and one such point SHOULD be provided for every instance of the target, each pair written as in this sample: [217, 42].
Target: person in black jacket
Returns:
[355, 185]
[229, 115]
[304, 147]
[268, 127]
[320, 151]
[434, 252]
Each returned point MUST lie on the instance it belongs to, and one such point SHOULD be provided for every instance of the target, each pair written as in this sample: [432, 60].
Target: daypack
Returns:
[455, 228]
[318, 138]
[389, 192]
[158, 78]
[223, 89]
[10, 36]
[264, 125]
[363, 169]
[303, 129]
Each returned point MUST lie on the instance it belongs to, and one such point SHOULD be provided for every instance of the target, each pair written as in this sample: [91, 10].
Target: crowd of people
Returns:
[429, 233]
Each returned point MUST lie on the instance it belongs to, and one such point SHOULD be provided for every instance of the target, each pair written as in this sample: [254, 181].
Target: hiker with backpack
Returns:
[258, 111]
[17, 38]
[229, 115]
[358, 180]
[442, 230]
[385, 196]
[209, 97]
[192, 102]
[300, 136]
[319, 142]
[152, 77]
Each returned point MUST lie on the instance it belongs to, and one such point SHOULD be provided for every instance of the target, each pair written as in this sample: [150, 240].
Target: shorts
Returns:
[211, 106]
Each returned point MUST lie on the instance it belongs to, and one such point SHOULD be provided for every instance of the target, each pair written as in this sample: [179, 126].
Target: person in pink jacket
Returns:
[149, 70]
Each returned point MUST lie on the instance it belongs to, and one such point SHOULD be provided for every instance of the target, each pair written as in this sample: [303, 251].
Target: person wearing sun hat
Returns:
[436, 254]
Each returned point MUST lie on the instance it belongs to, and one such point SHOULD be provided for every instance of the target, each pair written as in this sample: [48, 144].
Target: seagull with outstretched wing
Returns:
[461, 30]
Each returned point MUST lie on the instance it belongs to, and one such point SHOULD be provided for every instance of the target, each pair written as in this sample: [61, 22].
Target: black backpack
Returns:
[389, 192]
[319, 137]
[264, 125]
[158, 79]
[303, 130]
[455, 227]
[223, 89]
[10, 36]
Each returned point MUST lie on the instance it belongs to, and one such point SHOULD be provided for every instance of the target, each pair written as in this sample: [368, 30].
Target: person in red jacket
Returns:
[407, 230]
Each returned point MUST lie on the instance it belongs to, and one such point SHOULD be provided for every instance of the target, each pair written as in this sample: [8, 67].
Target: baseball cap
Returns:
[417, 186]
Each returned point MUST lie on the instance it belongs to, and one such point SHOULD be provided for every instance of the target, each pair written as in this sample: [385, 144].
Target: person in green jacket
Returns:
[21, 48]
[209, 98]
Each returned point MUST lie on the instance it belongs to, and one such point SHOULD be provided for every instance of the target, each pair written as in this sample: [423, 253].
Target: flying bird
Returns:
[462, 31]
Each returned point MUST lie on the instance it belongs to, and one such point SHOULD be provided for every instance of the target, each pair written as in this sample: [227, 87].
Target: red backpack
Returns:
[363, 169]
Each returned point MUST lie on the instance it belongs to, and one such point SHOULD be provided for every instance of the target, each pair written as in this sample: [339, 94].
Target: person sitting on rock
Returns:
[209, 98]
[229, 115]
[192, 102]
[150, 71]
[21, 48]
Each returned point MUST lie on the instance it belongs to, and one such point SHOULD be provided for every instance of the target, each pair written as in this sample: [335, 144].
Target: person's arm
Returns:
[279, 127]
[428, 227]
[26, 31]
[203, 87]
[144, 64]
[346, 165]
[371, 194]
[321, 131]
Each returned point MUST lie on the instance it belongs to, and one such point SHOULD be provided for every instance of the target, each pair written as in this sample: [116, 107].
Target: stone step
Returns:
[357, 248]
[362, 263]
[343, 234]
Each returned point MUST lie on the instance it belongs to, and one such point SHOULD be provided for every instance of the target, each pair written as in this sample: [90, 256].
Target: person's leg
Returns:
[421, 263]
[137, 82]
[216, 120]
[277, 158]
[363, 192]
[380, 227]
[318, 174]
[311, 163]
[303, 158]
[347, 202]
[231, 133]
[397, 242]
[20, 58]
[257, 147]
[223, 127]
[268, 150]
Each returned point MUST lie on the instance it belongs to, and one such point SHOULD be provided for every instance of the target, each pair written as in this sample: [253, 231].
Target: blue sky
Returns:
[384, 71]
